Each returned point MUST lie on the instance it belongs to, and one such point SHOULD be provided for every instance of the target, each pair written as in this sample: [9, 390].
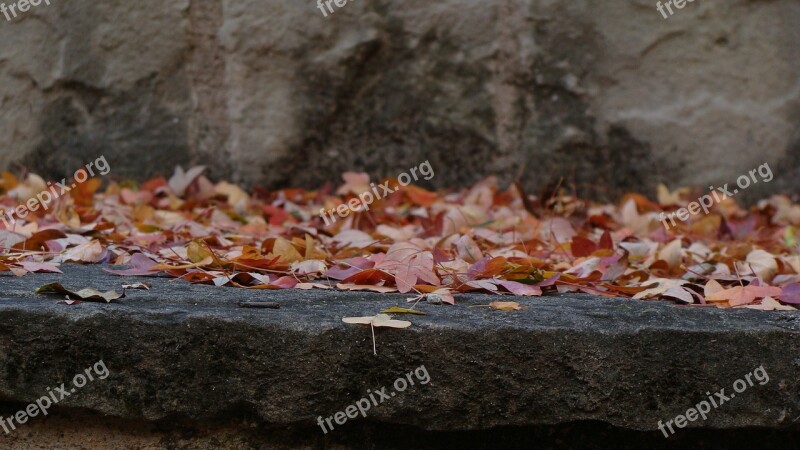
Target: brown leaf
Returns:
[505, 306]
[88, 294]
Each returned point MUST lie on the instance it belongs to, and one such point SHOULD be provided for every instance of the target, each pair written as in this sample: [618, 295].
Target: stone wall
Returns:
[606, 95]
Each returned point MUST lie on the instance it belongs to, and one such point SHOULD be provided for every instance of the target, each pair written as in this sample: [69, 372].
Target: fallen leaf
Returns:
[743, 295]
[88, 294]
[399, 310]
[361, 287]
[142, 266]
[181, 180]
[520, 288]
[143, 286]
[505, 306]
[379, 320]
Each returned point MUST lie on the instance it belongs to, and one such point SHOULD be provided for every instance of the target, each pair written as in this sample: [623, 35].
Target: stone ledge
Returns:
[182, 350]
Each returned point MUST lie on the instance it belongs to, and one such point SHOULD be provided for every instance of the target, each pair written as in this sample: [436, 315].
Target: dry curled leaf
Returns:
[87, 294]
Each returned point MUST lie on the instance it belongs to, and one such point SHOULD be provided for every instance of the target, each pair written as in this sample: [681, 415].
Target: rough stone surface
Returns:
[80, 429]
[190, 351]
[609, 96]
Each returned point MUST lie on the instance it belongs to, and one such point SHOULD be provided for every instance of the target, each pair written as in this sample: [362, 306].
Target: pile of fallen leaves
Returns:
[433, 245]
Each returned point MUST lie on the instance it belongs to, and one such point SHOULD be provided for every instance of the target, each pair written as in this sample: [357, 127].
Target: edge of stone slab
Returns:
[189, 350]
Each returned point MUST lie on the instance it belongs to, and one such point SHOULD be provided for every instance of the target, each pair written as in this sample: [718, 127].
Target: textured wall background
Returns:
[607, 94]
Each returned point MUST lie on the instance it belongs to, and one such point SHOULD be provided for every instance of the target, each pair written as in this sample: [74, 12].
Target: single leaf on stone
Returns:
[88, 294]
[505, 306]
[143, 286]
[399, 310]
[379, 320]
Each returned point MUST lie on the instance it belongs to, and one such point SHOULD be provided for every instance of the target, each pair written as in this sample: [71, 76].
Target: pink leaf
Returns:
[517, 288]
[141, 266]
[790, 294]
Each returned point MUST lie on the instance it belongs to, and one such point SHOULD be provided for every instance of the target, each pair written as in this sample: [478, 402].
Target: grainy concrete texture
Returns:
[608, 95]
[189, 357]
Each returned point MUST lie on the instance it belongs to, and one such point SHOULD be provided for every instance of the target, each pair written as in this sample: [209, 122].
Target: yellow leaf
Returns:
[505, 306]
[286, 251]
[712, 287]
[399, 310]
[204, 262]
[665, 197]
[672, 253]
[197, 252]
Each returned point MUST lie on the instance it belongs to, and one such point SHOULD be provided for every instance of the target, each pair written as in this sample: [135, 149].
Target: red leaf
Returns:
[582, 246]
